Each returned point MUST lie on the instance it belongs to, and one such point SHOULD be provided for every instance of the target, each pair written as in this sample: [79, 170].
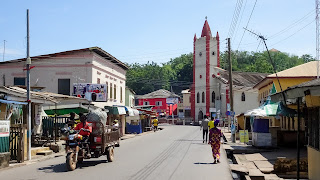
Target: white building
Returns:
[244, 96]
[58, 72]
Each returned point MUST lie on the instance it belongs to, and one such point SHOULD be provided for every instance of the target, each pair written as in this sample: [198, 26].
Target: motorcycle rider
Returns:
[85, 131]
[84, 127]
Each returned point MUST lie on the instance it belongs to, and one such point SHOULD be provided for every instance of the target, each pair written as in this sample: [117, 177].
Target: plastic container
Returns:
[261, 126]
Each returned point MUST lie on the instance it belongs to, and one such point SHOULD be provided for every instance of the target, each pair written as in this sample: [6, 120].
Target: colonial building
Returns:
[205, 58]
[58, 72]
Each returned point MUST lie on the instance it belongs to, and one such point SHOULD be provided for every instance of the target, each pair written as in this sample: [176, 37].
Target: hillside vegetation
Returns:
[177, 73]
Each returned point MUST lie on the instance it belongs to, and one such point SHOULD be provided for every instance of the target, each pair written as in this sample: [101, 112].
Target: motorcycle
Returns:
[77, 149]
[101, 141]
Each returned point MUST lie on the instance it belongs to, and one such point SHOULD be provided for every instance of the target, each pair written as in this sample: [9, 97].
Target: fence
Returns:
[51, 126]
[16, 142]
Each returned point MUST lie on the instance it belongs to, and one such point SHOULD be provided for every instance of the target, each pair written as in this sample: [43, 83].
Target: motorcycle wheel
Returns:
[71, 162]
[110, 154]
[118, 144]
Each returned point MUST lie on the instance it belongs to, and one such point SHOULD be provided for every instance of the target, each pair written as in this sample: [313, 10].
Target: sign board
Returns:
[212, 110]
[244, 136]
[228, 107]
[172, 100]
[228, 113]
[4, 128]
[85, 90]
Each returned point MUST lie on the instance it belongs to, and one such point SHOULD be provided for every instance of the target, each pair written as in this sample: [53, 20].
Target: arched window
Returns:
[213, 97]
[202, 97]
[243, 97]
[198, 97]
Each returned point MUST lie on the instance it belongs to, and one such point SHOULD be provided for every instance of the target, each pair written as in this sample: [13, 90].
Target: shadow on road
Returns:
[203, 163]
[57, 168]
[188, 140]
[86, 164]
[61, 168]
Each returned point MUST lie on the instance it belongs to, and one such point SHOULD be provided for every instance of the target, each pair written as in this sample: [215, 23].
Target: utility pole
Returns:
[317, 37]
[233, 133]
[28, 63]
[4, 48]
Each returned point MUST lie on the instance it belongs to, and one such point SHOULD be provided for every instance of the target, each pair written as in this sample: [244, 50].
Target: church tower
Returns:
[205, 90]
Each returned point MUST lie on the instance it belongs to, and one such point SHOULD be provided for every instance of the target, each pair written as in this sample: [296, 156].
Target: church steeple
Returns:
[206, 30]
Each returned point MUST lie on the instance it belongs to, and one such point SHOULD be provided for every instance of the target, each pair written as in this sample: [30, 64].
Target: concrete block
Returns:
[261, 139]
[4, 159]
[44, 153]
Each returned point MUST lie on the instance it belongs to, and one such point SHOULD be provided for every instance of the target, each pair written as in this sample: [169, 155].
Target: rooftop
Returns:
[245, 79]
[161, 93]
[96, 50]
[304, 70]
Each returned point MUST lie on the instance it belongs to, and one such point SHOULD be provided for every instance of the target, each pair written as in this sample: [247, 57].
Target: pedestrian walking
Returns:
[211, 123]
[215, 135]
[205, 128]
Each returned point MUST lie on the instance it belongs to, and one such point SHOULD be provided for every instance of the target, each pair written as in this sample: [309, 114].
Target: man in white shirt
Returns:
[204, 127]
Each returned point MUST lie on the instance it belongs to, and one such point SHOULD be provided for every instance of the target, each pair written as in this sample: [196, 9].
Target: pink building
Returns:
[165, 102]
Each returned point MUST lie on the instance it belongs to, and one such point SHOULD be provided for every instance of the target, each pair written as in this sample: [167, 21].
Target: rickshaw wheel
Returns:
[110, 154]
[71, 162]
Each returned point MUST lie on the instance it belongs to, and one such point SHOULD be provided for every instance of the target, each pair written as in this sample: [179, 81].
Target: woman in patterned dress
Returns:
[215, 135]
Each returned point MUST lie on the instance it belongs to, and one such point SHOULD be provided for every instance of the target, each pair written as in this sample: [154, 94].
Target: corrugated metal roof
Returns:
[53, 97]
[161, 93]
[245, 79]
[315, 82]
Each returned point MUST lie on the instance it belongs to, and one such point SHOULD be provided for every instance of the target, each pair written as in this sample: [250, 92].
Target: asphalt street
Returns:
[176, 152]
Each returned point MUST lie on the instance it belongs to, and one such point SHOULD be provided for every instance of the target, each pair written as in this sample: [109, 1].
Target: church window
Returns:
[202, 97]
[198, 97]
[213, 97]
[200, 54]
[243, 97]
[213, 53]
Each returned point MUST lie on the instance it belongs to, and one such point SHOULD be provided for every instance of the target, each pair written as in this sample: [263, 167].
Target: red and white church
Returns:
[205, 90]
[210, 88]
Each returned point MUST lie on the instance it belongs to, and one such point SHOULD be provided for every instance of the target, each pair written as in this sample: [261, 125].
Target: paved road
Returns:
[177, 152]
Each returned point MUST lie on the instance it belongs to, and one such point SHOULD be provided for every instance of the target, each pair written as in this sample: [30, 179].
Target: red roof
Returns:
[206, 30]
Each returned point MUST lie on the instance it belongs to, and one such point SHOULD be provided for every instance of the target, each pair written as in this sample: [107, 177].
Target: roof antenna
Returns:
[272, 63]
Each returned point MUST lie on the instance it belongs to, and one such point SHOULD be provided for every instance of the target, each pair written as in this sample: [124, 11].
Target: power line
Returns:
[247, 23]
[292, 25]
[293, 33]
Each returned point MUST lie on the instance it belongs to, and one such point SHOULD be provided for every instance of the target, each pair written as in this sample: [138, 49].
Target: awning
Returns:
[67, 109]
[117, 110]
[12, 102]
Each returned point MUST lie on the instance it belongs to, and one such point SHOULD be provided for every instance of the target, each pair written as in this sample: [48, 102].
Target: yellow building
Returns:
[287, 78]
[309, 93]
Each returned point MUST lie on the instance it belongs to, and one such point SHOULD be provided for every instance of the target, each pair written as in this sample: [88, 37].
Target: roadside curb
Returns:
[41, 158]
[33, 161]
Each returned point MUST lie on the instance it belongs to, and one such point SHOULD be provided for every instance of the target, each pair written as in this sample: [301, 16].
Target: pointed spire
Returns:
[195, 38]
[217, 36]
[206, 30]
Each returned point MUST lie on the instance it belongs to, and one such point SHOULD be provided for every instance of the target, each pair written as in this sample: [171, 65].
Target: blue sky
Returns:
[144, 30]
